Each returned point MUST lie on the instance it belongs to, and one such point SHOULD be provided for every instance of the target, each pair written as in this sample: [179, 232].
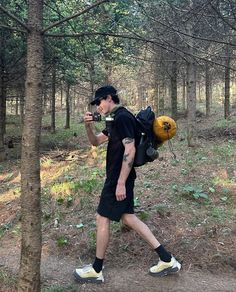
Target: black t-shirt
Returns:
[124, 126]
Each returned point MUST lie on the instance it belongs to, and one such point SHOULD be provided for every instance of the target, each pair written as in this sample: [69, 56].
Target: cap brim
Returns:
[94, 101]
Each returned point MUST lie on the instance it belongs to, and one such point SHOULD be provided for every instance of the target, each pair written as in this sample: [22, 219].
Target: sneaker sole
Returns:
[87, 280]
[167, 271]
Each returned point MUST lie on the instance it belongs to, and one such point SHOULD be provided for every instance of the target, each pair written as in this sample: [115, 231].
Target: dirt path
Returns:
[58, 272]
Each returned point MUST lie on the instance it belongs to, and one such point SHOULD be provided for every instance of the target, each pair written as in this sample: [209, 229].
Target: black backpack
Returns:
[147, 144]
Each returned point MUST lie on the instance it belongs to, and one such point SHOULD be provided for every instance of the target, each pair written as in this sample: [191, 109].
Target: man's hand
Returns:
[120, 191]
[88, 118]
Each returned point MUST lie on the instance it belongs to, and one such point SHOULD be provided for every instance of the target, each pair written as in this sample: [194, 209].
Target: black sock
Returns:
[97, 265]
[164, 255]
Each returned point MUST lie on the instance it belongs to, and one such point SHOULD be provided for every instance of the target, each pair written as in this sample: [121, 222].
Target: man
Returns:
[116, 201]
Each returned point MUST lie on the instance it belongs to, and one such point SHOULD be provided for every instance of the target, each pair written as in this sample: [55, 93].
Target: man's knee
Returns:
[101, 220]
[127, 219]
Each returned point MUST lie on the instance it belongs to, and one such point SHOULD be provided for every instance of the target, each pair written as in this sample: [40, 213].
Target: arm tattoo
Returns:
[130, 164]
[125, 157]
[128, 140]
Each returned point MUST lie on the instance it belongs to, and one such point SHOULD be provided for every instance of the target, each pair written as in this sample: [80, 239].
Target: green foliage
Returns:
[136, 202]
[143, 215]
[218, 213]
[162, 209]
[225, 123]
[194, 192]
[4, 228]
[92, 238]
[64, 188]
[89, 185]
[62, 241]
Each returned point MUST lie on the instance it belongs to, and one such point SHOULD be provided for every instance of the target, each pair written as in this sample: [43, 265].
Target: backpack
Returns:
[147, 144]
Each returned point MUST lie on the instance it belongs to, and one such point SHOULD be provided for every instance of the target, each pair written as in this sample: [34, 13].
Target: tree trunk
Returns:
[155, 98]
[227, 85]
[67, 126]
[184, 93]
[17, 106]
[191, 85]
[208, 91]
[2, 96]
[173, 79]
[92, 82]
[61, 96]
[191, 103]
[22, 110]
[53, 102]
[2, 119]
[29, 275]
[161, 97]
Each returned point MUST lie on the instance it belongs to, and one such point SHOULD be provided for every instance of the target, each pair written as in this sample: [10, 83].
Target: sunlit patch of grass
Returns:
[56, 171]
[222, 181]
[46, 162]
[16, 231]
[10, 195]
[66, 188]
[62, 189]
[10, 177]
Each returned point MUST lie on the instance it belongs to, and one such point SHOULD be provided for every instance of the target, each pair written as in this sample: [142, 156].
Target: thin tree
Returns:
[29, 276]
[31, 243]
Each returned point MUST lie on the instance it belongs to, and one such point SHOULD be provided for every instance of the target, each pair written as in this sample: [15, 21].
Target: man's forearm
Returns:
[127, 164]
[91, 136]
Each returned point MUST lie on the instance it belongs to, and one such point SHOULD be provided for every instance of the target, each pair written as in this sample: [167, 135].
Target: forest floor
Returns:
[188, 202]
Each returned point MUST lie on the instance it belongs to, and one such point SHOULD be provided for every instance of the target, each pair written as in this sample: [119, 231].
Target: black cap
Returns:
[102, 92]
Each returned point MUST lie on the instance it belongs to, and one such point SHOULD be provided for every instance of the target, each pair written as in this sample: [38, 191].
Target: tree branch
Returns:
[12, 28]
[222, 17]
[171, 48]
[184, 33]
[74, 15]
[14, 18]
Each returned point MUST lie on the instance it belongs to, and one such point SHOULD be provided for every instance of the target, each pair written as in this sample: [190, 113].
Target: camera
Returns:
[152, 153]
[97, 117]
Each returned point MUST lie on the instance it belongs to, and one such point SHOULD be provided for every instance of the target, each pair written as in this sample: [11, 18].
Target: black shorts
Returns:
[109, 206]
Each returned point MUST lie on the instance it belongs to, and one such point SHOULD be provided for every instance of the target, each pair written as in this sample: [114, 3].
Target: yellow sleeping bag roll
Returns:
[164, 128]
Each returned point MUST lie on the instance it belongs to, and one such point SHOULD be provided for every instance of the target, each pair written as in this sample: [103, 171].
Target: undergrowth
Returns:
[192, 191]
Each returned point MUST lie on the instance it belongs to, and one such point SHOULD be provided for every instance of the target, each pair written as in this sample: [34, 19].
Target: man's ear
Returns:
[109, 98]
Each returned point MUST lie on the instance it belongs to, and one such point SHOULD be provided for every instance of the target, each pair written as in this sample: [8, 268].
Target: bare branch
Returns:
[14, 18]
[74, 15]
[168, 46]
[12, 28]
[184, 33]
[222, 17]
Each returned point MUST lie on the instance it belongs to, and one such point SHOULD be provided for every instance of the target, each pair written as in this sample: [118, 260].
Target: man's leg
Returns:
[102, 240]
[167, 264]
[93, 273]
[141, 228]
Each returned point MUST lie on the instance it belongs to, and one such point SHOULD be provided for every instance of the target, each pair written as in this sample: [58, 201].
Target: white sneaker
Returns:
[165, 268]
[88, 274]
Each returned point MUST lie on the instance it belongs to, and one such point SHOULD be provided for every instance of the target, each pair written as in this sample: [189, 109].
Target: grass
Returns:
[6, 278]
[191, 191]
